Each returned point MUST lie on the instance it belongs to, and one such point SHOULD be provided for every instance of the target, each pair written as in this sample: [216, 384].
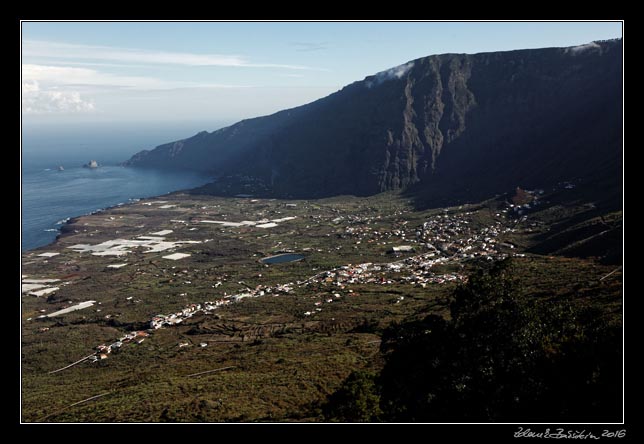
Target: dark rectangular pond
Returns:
[281, 258]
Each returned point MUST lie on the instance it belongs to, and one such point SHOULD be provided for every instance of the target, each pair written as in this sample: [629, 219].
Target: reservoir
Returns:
[282, 258]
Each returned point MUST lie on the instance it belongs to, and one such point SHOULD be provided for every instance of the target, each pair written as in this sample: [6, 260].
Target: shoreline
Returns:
[70, 220]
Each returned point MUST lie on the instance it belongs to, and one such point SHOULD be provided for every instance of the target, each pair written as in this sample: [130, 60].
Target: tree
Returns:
[502, 356]
[355, 401]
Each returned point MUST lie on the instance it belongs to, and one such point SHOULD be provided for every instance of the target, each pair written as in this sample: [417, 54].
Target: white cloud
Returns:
[57, 89]
[65, 76]
[30, 87]
[396, 72]
[37, 101]
[70, 78]
[574, 50]
[67, 51]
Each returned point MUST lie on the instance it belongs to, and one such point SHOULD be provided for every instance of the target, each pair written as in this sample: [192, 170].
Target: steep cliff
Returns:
[445, 127]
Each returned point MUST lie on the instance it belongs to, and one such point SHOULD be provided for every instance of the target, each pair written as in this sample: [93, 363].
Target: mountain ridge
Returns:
[442, 127]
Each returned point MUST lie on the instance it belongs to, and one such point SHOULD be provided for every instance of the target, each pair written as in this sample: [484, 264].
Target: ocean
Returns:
[50, 197]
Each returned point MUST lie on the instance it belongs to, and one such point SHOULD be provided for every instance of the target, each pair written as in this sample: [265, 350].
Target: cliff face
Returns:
[443, 126]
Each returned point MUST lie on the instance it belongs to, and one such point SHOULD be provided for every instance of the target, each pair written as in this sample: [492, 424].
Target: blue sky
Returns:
[182, 71]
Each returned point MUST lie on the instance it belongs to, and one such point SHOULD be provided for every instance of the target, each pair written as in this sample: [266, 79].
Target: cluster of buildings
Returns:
[422, 280]
[208, 307]
[364, 229]
[443, 239]
[415, 270]
[530, 200]
[103, 350]
[173, 319]
[457, 237]
[454, 236]
[160, 320]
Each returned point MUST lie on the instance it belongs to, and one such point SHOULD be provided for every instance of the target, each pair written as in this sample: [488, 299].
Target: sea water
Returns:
[50, 197]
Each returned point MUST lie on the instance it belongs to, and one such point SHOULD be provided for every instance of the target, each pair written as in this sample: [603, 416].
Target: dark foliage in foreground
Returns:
[502, 357]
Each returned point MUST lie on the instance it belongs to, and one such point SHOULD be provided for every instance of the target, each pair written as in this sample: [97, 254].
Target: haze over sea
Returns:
[49, 196]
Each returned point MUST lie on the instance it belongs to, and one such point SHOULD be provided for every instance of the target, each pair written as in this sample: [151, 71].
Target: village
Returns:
[199, 281]
[432, 252]
[445, 239]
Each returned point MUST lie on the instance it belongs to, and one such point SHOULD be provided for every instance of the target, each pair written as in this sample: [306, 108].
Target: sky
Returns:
[80, 72]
